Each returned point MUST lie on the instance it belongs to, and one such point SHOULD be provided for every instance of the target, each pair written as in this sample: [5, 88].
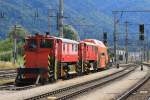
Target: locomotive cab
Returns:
[37, 49]
[102, 56]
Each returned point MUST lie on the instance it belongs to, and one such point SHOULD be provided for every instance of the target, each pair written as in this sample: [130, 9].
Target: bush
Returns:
[70, 33]
[6, 57]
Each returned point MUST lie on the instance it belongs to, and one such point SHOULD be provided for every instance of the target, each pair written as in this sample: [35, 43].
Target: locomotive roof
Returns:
[67, 40]
[62, 39]
[89, 43]
[97, 42]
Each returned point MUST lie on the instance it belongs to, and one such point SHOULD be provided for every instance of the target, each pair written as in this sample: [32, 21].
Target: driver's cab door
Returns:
[102, 60]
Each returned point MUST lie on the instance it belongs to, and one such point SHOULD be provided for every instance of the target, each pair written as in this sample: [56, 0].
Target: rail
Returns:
[10, 73]
[68, 92]
[127, 93]
[7, 74]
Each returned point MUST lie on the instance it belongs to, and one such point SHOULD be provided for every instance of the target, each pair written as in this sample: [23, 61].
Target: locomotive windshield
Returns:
[32, 43]
[46, 43]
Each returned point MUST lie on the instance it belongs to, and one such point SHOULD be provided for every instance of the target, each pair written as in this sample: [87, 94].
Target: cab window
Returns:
[46, 43]
[73, 47]
[64, 47]
[76, 47]
[68, 47]
[32, 43]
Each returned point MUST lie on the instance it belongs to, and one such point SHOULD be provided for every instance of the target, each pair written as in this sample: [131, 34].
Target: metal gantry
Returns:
[115, 39]
[126, 54]
[116, 21]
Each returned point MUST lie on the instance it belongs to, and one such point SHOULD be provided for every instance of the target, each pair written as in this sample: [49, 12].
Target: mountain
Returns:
[89, 17]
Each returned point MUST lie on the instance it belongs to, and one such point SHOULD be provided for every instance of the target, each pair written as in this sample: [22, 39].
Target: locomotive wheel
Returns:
[79, 69]
[66, 70]
[89, 66]
[59, 70]
[86, 68]
[18, 82]
[42, 81]
[51, 77]
[95, 66]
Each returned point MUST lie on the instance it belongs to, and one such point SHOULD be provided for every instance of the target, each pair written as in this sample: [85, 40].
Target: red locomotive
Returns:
[102, 54]
[49, 58]
[88, 56]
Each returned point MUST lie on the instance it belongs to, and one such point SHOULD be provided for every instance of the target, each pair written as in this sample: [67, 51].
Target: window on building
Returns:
[121, 57]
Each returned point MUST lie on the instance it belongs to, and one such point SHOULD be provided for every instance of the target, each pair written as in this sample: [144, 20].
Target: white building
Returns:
[121, 55]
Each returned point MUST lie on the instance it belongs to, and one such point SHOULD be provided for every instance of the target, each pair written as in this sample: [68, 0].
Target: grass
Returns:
[20, 61]
[10, 65]
[7, 65]
[4, 81]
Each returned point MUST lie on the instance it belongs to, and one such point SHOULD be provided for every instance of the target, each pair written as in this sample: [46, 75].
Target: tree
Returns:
[18, 32]
[70, 32]
[6, 45]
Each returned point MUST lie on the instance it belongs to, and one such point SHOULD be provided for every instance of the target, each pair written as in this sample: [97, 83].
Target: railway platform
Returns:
[116, 88]
[143, 93]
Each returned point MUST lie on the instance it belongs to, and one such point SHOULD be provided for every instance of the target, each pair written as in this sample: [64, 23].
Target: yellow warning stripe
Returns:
[24, 58]
[49, 58]
[48, 75]
[49, 63]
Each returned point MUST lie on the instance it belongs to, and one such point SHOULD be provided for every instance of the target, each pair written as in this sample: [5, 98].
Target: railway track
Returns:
[11, 74]
[130, 91]
[8, 74]
[68, 92]
[12, 87]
